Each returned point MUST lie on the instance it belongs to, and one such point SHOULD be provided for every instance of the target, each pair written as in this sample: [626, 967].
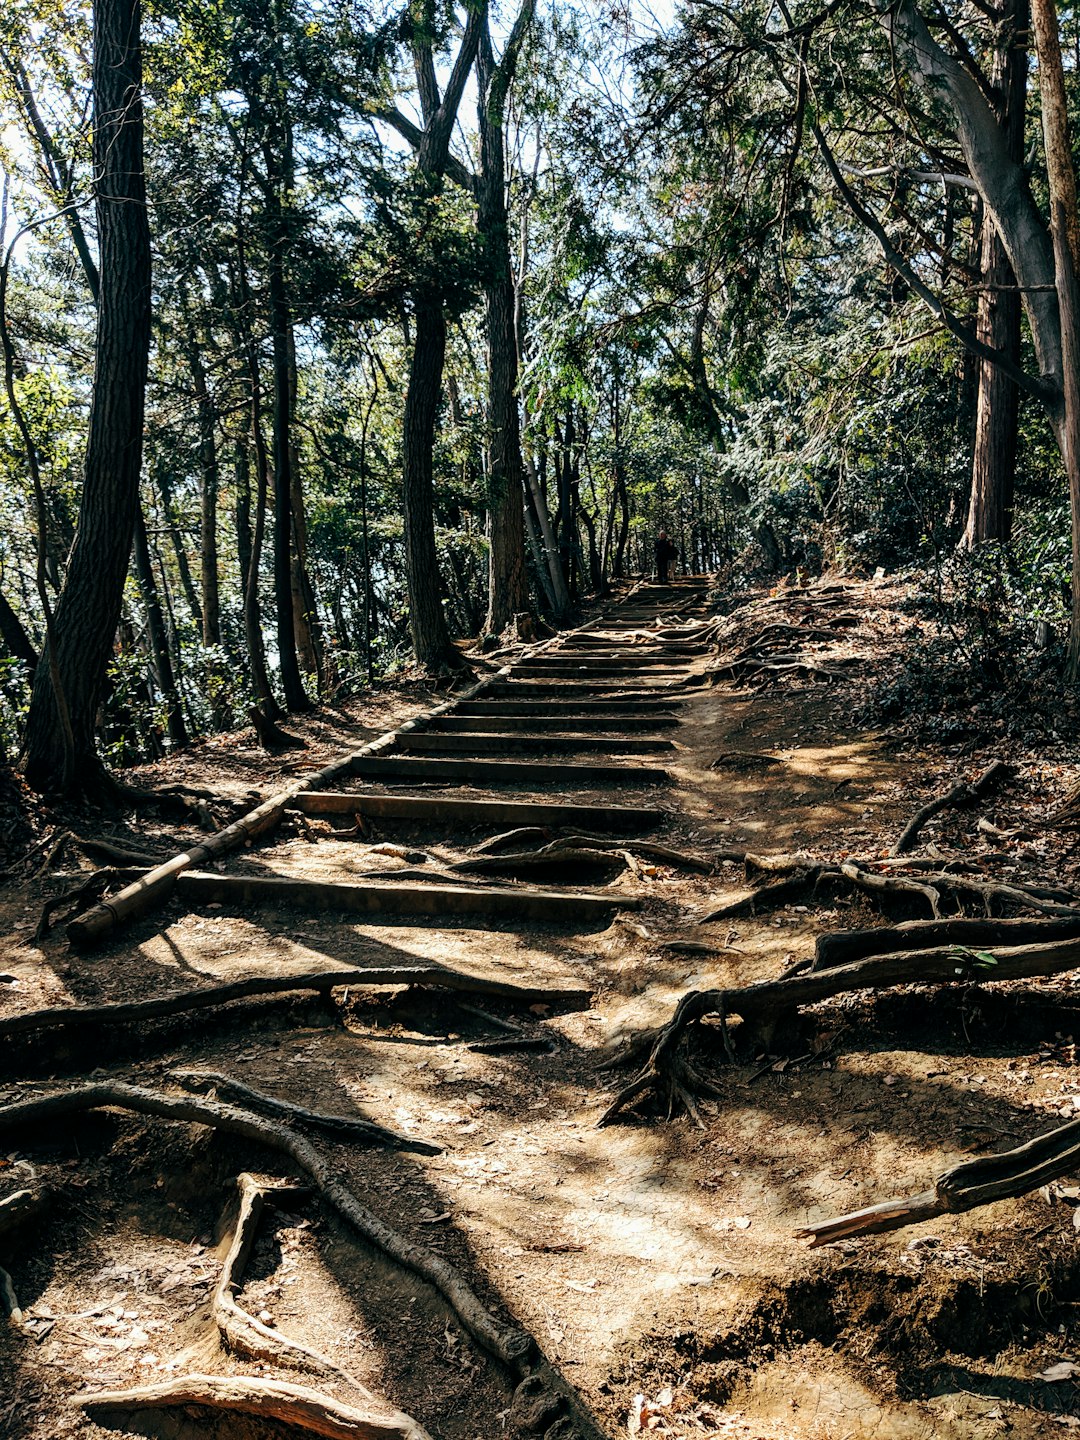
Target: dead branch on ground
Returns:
[961, 794]
[965, 1187]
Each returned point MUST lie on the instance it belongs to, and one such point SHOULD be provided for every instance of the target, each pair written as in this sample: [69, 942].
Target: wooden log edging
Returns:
[155, 887]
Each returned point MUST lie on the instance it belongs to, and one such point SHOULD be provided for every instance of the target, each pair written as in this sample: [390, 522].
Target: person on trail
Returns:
[665, 552]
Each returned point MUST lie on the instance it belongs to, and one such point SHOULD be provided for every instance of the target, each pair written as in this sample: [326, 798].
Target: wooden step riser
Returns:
[583, 651]
[587, 672]
[623, 662]
[505, 772]
[533, 689]
[570, 723]
[411, 903]
[491, 815]
[434, 742]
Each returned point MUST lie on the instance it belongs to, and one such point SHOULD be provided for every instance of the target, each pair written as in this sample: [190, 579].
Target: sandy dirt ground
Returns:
[654, 1262]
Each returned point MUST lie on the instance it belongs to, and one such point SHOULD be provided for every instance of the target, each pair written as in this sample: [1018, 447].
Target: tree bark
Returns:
[88, 610]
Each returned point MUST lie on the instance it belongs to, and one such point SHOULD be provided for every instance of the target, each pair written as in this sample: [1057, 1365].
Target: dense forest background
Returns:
[449, 310]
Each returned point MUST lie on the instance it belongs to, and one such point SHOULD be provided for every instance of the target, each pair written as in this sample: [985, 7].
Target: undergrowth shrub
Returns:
[989, 654]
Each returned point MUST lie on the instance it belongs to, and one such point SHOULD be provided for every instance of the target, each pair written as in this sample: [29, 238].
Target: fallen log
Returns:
[351, 1126]
[134, 1012]
[961, 794]
[669, 1075]
[301, 1409]
[964, 1187]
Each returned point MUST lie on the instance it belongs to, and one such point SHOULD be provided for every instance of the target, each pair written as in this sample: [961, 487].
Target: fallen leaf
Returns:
[1063, 1370]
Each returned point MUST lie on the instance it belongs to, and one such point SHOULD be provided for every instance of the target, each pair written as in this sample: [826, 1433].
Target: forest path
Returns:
[648, 1259]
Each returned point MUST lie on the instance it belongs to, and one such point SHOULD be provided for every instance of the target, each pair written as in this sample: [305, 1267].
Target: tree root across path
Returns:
[137, 1012]
[240, 1331]
[965, 1187]
[928, 887]
[302, 1410]
[365, 1131]
[669, 1076]
[514, 1348]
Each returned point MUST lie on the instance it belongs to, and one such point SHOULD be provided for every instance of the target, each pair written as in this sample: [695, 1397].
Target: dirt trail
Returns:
[653, 1263]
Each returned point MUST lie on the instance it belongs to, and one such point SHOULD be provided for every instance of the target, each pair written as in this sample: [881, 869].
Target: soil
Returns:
[653, 1262]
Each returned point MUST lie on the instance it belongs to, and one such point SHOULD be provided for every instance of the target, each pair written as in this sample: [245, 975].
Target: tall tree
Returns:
[508, 591]
[88, 609]
[427, 622]
[993, 464]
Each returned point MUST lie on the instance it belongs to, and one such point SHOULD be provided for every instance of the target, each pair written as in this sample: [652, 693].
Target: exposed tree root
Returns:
[22, 1205]
[668, 1076]
[841, 947]
[303, 1410]
[8, 1296]
[270, 734]
[928, 887]
[961, 794]
[511, 1346]
[965, 1187]
[77, 900]
[583, 850]
[355, 1128]
[240, 1331]
[115, 854]
[65, 1018]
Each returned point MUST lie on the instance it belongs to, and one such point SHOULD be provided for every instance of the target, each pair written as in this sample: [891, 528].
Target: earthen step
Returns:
[504, 772]
[623, 661]
[483, 743]
[494, 814]
[553, 708]
[565, 724]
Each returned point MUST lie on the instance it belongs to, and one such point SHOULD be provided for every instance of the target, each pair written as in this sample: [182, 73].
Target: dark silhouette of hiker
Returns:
[665, 552]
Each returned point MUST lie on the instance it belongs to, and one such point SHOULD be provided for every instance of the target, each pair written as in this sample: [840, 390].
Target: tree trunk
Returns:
[427, 623]
[89, 605]
[16, 641]
[1065, 233]
[295, 696]
[993, 467]
[249, 550]
[508, 591]
[158, 635]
